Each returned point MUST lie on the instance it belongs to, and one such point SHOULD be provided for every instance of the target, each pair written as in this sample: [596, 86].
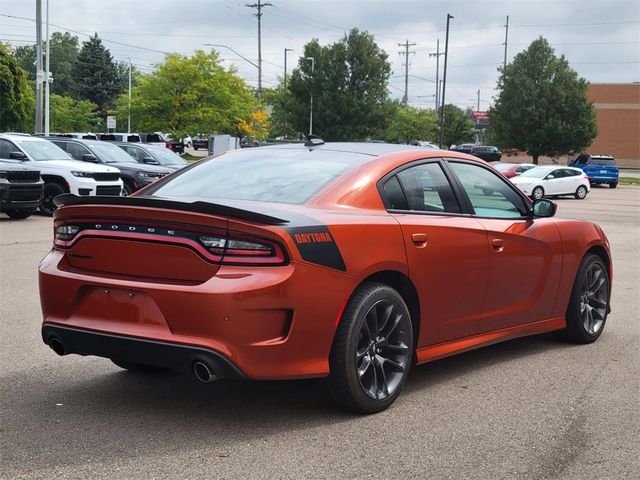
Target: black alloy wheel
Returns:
[589, 304]
[51, 191]
[372, 351]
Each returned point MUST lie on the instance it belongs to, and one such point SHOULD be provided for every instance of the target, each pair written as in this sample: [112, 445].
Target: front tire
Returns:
[51, 191]
[581, 192]
[537, 193]
[589, 302]
[372, 350]
[19, 214]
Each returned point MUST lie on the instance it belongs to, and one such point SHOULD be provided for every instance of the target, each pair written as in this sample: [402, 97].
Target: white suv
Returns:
[60, 173]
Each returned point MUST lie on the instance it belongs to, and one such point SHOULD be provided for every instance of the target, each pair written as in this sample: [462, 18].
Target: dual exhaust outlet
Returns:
[200, 369]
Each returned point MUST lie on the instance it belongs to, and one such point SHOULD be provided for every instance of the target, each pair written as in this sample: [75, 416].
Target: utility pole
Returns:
[284, 92]
[259, 6]
[478, 121]
[406, 52]
[129, 106]
[313, 66]
[444, 80]
[506, 41]
[437, 55]
[39, 72]
[47, 73]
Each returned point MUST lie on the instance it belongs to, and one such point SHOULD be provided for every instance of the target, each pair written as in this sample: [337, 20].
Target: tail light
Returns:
[218, 247]
[169, 146]
[239, 249]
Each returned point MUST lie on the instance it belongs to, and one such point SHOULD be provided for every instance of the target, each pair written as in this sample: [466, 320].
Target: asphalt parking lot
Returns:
[529, 408]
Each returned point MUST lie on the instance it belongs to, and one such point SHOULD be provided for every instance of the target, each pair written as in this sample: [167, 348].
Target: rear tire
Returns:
[140, 368]
[372, 350]
[613, 185]
[581, 192]
[589, 303]
[19, 214]
[51, 191]
[537, 193]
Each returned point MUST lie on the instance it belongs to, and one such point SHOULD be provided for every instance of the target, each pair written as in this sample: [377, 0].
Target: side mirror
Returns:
[87, 157]
[17, 156]
[549, 177]
[150, 161]
[543, 208]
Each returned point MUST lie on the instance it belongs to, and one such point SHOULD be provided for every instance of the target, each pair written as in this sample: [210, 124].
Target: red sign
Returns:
[480, 115]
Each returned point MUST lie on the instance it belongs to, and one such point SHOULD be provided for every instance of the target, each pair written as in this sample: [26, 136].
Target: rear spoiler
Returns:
[170, 204]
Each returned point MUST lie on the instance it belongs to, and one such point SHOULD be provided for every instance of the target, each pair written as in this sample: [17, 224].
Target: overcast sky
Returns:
[600, 38]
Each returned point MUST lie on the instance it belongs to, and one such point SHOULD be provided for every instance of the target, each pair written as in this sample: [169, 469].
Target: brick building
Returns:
[618, 115]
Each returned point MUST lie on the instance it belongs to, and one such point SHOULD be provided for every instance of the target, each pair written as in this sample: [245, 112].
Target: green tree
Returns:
[410, 123]
[542, 106]
[64, 54]
[70, 115]
[185, 95]
[16, 97]
[458, 126]
[349, 87]
[96, 74]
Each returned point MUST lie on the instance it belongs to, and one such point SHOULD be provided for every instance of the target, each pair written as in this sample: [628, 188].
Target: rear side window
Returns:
[394, 195]
[287, 175]
[427, 189]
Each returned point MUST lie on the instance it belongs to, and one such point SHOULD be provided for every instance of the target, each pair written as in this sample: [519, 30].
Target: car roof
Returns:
[363, 148]
[22, 138]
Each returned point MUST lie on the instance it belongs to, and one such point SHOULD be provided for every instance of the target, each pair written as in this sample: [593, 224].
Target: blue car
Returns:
[599, 168]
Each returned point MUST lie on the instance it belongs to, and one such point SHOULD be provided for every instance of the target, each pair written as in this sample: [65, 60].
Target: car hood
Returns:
[140, 167]
[75, 165]
[16, 167]
[520, 180]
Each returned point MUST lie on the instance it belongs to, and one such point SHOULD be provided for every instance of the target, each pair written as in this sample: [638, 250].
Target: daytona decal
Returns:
[316, 245]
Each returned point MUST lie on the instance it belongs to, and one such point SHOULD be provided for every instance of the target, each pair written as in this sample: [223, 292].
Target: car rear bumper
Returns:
[269, 322]
[136, 350]
[602, 179]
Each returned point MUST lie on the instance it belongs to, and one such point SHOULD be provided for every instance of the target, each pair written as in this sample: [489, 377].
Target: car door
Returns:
[572, 180]
[447, 252]
[525, 253]
[554, 183]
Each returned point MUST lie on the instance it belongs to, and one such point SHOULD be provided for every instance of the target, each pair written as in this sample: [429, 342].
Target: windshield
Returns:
[43, 150]
[266, 175]
[164, 156]
[109, 153]
[536, 172]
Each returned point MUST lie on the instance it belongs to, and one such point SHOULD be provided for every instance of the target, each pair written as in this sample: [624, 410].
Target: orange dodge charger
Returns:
[350, 261]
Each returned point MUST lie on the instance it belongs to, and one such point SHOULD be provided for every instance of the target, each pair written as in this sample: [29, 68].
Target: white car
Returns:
[60, 173]
[550, 181]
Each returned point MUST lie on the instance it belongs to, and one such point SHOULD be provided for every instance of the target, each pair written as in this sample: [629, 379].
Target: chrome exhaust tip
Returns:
[203, 372]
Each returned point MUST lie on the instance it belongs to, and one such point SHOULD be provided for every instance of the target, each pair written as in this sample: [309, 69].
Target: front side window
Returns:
[76, 150]
[6, 147]
[427, 189]
[490, 196]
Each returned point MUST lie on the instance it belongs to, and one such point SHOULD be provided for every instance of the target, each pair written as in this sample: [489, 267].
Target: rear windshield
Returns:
[602, 161]
[153, 138]
[266, 175]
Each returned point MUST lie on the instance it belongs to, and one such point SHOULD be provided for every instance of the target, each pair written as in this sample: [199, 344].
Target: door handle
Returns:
[498, 244]
[419, 239]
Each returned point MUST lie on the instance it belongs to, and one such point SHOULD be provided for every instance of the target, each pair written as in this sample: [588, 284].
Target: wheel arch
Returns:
[48, 178]
[405, 287]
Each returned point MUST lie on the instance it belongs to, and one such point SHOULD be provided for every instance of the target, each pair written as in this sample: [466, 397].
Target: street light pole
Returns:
[444, 80]
[39, 72]
[313, 64]
[284, 92]
[47, 77]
